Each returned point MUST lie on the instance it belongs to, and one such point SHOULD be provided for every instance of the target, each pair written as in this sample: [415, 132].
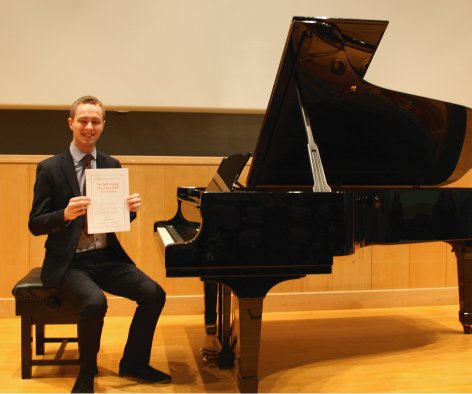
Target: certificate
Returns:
[108, 189]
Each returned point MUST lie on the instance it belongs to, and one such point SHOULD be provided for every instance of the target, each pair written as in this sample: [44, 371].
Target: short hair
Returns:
[86, 100]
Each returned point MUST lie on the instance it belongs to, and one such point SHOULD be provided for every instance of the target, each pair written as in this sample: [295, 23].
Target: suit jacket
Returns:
[56, 183]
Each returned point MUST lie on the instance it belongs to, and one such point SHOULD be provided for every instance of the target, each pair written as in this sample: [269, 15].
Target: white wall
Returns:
[211, 54]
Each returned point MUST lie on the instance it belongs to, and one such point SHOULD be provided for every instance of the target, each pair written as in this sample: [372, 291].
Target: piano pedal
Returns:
[209, 355]
[223, 359]
[206, 351]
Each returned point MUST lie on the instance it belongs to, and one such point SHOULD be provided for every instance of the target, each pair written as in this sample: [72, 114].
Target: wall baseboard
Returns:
[286, 302]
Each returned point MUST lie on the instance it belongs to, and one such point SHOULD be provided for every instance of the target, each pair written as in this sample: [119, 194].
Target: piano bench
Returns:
[39, 306]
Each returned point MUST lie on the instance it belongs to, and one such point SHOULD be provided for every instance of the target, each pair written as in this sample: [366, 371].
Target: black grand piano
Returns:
[339, 163]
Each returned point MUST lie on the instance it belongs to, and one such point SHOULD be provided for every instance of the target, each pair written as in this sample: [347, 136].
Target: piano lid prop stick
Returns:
[319, 179]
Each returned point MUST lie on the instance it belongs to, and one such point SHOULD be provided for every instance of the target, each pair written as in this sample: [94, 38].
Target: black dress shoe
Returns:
[83, 384]
[145, 374]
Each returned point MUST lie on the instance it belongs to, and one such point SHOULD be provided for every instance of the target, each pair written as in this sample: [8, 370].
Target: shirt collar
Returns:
[78, 155]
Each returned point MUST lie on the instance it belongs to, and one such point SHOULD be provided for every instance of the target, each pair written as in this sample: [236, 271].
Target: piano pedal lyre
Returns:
[223, 359]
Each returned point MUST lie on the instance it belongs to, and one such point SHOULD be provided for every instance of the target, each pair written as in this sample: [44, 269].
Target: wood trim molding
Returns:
[291, 302]
[125, 160]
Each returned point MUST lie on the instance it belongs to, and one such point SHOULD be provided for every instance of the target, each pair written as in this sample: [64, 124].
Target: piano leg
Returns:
[226, 353]
[223, 355]
[210, 295]
[463, 253]
[245, 330]
[248, 331]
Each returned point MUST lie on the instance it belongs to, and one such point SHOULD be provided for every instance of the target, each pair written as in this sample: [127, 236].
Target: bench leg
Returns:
[39, 338]
[26, 350]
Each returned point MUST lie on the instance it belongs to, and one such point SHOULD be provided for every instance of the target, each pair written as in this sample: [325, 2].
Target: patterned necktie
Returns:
[86, 163]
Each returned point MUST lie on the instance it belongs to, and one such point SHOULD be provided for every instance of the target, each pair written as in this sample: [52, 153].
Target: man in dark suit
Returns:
[84, 265]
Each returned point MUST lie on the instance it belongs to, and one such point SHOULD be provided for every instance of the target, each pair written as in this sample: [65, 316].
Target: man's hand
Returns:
[134, 202]
[77, 207]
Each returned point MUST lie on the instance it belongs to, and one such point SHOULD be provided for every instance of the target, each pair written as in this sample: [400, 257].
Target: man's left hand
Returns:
[134, 202]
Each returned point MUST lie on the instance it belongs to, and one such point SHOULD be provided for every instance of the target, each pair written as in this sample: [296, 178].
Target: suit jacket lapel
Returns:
[67, 165]
[103, 161]
[100, 160]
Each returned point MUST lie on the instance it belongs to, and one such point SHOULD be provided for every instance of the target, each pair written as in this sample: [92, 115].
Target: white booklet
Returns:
[108, 210]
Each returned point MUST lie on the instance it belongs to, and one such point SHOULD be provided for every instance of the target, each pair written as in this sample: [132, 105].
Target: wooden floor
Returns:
[419, 349]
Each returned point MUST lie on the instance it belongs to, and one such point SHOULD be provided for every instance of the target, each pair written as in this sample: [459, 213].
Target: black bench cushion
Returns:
[31, 287]
[42, 303]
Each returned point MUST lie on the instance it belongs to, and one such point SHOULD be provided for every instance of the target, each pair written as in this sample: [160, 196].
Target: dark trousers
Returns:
[90, 274]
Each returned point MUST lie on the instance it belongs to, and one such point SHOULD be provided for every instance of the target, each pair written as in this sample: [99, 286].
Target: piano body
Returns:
[339, 164]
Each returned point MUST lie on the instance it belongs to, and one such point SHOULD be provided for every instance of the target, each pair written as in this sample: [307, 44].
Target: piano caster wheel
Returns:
[210, 329]
[467, 328]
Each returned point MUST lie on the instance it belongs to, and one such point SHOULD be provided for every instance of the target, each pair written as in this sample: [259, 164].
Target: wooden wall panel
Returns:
[36, 243]
[390, 267]
[309, 283]
[428, 265]
[148, 181]
[353, 272]
[156, 179]
[14, 243]
[314, 283]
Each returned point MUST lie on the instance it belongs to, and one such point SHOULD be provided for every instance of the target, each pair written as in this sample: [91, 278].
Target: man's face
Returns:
[87, 126]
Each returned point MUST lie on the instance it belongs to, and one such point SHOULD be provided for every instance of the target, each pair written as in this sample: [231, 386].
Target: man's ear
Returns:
[70, 120]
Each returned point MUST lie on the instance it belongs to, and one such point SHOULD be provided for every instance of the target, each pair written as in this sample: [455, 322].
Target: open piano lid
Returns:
[366, 135]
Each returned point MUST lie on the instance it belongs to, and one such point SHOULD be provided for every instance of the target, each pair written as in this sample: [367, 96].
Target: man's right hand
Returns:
[77, 207]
